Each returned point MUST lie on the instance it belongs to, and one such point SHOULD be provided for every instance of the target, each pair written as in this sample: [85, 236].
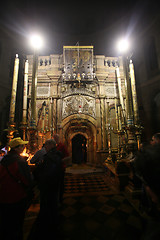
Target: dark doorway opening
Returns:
[79, 149]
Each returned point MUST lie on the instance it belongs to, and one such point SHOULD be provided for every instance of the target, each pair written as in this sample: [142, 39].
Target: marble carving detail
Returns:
[78, 104]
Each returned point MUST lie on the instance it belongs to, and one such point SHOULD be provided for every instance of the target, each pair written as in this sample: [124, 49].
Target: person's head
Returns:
[17, 144]
[49, 144]
[56, 138]
[3, 151]
[155, 139]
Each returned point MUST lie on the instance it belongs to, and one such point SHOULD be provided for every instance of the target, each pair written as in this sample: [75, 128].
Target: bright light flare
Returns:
[36, 41]
[123, 45]
[24, 153]
[27, 155]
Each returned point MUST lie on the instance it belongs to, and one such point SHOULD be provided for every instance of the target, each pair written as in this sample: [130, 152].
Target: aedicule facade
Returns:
[82, 97]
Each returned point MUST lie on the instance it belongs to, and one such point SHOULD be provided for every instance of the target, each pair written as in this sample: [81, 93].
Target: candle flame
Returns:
[26, 154]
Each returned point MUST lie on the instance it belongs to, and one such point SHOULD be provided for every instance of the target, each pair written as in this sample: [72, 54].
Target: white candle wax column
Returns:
[120, 88]
[134, 93]
[129, 111]
[14, 90]
[34, 90]
[120, 94]
[25, 92]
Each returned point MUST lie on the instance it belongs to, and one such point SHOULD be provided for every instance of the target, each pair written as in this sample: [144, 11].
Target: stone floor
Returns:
[92, 210]
[83, 169]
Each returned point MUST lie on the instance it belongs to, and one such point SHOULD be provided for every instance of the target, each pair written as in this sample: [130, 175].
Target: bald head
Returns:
[155, 139]
[56, 138]
[49, 144]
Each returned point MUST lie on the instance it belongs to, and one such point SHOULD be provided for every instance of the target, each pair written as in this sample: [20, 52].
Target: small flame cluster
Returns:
[27, 155]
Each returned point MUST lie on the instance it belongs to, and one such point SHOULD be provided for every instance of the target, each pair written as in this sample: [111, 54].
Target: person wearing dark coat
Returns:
[147, 168]
[48, 181]
[15, 183]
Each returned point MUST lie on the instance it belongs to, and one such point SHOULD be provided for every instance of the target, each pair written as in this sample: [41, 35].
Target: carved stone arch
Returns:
[86, 126]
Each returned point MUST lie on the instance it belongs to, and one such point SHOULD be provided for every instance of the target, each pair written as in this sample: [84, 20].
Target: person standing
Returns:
[65, 157]
[61, 147]
[49, 179]
[3, 152]
[38, 156]
[15, 184]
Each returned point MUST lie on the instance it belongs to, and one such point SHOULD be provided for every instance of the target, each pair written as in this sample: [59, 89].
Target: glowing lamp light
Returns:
[36, 41]
[123, 45]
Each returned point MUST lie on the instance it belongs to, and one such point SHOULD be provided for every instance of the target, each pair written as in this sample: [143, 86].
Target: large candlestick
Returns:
[129, 112]
[118, 118]
[24, 117]
[52, 129]
[14, 90]
[24, 120]
[43, 115]
[33, 127]
[116, 105]
[134, 93]
[34, 90]
[109, 158]
[120, 90]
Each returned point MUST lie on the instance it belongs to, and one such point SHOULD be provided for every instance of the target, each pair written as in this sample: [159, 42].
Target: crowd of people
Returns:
[17, 182]
[16, 188]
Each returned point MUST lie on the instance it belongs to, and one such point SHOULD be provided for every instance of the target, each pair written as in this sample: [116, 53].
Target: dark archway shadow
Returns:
[79, 149]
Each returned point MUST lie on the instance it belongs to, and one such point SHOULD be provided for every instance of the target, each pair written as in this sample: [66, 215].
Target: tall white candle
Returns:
[14, 90]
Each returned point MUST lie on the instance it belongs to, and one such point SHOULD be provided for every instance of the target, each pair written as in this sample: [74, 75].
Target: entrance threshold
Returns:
[83, 169]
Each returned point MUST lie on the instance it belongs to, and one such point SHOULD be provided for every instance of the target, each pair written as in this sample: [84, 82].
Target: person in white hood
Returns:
[3, 152]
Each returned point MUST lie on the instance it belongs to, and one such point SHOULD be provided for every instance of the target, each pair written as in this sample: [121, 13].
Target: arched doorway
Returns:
[79, 149]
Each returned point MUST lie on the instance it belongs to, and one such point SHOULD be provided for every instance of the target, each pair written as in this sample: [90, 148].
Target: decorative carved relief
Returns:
[110, 91]
[43, 91]
[78, 104]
